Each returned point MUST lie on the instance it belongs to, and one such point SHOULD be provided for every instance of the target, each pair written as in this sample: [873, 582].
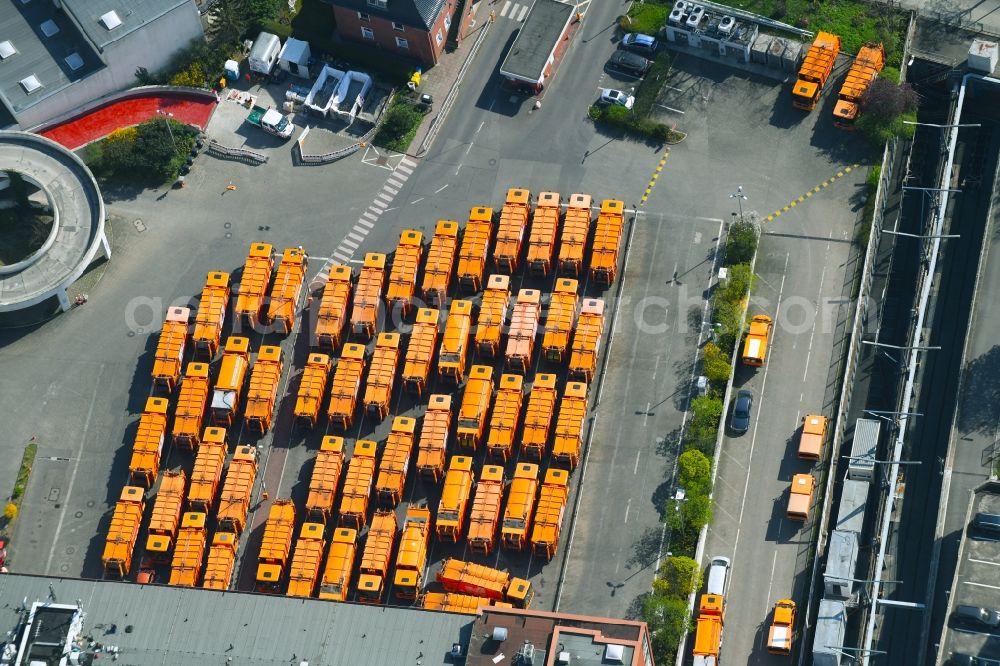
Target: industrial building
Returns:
[535, 53]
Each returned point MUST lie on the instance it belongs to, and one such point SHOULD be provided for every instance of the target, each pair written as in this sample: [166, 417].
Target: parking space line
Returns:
[992, 587]
[795, 202]
[654, 177]
[995, 564]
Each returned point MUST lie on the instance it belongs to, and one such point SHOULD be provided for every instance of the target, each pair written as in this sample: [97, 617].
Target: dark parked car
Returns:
[987, 522]
[636, 42]
[739, 420]
[630, 62]
[977, 615]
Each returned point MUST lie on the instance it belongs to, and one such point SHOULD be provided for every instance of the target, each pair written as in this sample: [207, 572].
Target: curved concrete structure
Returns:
[78, 228]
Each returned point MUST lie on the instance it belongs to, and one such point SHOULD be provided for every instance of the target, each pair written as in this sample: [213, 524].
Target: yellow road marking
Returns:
[654, 177]
[795, 202]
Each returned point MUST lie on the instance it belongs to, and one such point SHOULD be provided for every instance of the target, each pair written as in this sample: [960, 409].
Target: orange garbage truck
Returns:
[376, 557]
[587, 341]
[573, 242]
[368, 296]
[411, 561]
[234, 501]
[166, 516]
[800, 497]
[506, 417]
[221, 561]
[549, 514]
[358, 485]
[403, 275]
[538, 416]
[312, 389]
[523, 330]
[263, 393]
[559, 320]
[325, 478]
[303, 573]
[569, 426]
[440, 263]
[346, 386]
[475, 247]
[211, 315]
[170, 348]
[475, 407]
[486, 510]
[123, 533]
[253, 284]
[815, 70]
[229, 383]
[192, 403]
[492, 315]
[433, 445]
[287, 289]
[207, 471]
[708, 630]
[276, 546]
[455, 342]
[395, 463]
[757, 338]
[189, 553]
[420, 351]
[482, 581]
[382, 375]
[144, 465]
[542, 239]
[465, 604]
[336, 580]
[782, 631]
[454, 499]
[520, 509]
[510, 232]
[812, 437]
[865, 69]
[607, 242]
[332, 316]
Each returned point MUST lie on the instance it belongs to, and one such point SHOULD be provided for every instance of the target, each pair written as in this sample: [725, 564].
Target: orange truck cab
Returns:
[207, 471]
[346, 386]
[229, 382]
[440, 263]
[412, 558]
[587, 341]
[576, 229]
[492, 315]
[376, 557]
[433, 444]
[813, 436]
[339, 564]
[325, 479]
[368, 296]
[506, 417]
[475, 247]
[475, 407]
[395, 463]
[559, 320]
[312, 389]
[454, 499]
[569, 426]
[358, 485]
[538, 416]
[607, 242]
[234, 501]
[332, 316]
[192, 403]
[166, 516]
[185, 567]
[455, 342]
[382, 375]
[253, 284]
[288, 281]
[420, 351]
[144, 466]
[549, 514]
[211, 315]
[403, 276]
[510, 232]
[542, 240]
[303, 574]
[221, 561]
[170, 348]
[520, 509]
[263, 393]
[123, 533]
[523, 331]
[486, 510]
[276, 546]
[782, 631]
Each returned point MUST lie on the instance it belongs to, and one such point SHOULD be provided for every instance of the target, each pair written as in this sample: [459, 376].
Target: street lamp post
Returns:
[166, 119]
[740, 198]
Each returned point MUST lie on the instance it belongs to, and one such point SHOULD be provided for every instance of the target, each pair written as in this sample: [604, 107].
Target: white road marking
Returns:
[391, 190]
[995, 564]
[812, 333]
[506, 6]
[395, 183]
[417, 200]
[366, 224]
[635, 470]
[370, 215]
[405, 169]
[360, 238]
[379, 206]
[440, 188]
[628, 506]
[349, 244]
[385, 197]
[342, 258]
[992, 587]
[524, 12]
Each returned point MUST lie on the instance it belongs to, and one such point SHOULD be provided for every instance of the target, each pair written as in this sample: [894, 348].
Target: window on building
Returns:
[447, 22]
[367, 33]
[439, 38]
[378, 3]
[398, 27]
[402, 43]
[364, 17]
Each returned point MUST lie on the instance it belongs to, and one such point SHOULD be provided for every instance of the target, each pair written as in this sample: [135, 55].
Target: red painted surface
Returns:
[125, 113]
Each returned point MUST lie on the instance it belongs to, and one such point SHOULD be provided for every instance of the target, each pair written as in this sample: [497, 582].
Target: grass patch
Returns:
[649, 87]
[645, 17]
[27, 462]
[402, 119]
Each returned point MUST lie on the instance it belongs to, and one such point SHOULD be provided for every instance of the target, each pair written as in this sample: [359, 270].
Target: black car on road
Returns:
[739, 418]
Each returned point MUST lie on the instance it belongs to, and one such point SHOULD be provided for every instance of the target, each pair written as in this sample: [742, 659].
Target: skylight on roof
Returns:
[74, 61]
[49, 28]
[111, 20]
[30, 84]
[6, 49]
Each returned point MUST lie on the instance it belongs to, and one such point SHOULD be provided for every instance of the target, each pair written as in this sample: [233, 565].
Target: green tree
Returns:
[668, 620]
[716, 364]
[741, 243]
[263, 10]
[697, 510]
[738, 283]
[229, 21]
[704, 427]
[729, 316]
[694, 472]
[678, 577]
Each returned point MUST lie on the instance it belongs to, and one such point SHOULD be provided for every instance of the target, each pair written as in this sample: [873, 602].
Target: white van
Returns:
[718, 575]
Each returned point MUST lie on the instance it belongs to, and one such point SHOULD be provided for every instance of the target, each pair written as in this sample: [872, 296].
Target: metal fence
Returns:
[238, 154]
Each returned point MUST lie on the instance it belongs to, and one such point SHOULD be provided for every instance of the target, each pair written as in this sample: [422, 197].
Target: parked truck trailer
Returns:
[234, 501]
[221, 561]
[166, 517]
[312, 389]
[474, 249]
[403, 275]
[339, 564]
[189, 553]
[538, 416]
[560, 320]
[382, 375]
[325, 478]
[506, 417]
[510, 232]
[865, 69]
[170, 347]
[376, 557]
[420, 351]
[486, 510]
[576, 229]
[440, 263]
[475, 407]
[358, 485]
[569, 426]
[211, 315]
[542, 239]
[587, 341]
[523, 330]
[276, 546]
[757, 338]
[482, 581]
[395, 463]
[454, 499]
[229, 382]
[520, 509]
[492, 315]
[207, 470]
[303, 573]
[815, 70]
[119, 546]
[192, 403]
[254, 279]
[607, 242]
[411, 562]
[287, 289]
[455, 342]
[262, 396]
[346, 386]
[434, 434]
[549, 513]
[144, 465]
[368, 296]
[332, 315]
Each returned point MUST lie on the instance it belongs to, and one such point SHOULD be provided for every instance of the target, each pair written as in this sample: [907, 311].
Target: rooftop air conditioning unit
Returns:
[563, 659]
[676, 17]
[499, 633]
[681, 5]
[726, 25]
[695, 18]
[614, 654]
[456, 650]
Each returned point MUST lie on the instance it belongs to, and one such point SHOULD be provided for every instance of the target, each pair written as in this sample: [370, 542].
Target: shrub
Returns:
[890, 74]
[694, 472]
[873, 178]
[738, 284]
[10, 511]
[704, 427]
[716, 364]
[649, 88]
[594, 112]
[667, 619]
[151, 153]
[678, 577]
[741, 242]
[697, 511]
[193, 75]
[729, 317]
[400, 126]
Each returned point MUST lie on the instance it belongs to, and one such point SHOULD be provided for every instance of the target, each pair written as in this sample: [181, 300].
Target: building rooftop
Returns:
[975, 583]
[502, 636]
[537, 39]
[155, 624]
[41, 53]
[106, 21]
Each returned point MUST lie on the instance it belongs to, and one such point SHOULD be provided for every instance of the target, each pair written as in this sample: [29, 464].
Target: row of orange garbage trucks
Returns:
[299, 555]
[816, 68]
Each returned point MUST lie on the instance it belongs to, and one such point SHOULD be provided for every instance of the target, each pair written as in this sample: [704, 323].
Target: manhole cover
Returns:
[64, 568]
[90, 504]
[229, 235]
[493, 162]
[53, 494]
[381, 160]
[227, 225]
[78, 514]
[71, 550]
[131, 334]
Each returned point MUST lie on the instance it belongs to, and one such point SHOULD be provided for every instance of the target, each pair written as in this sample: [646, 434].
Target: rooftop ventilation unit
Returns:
[499, 633]
[695, 18]
[527, 654]
[6, 50]
[30, 84]
[614, 654]
[676, 17]
[563, 659]
[110, 20]
[726, 25]
[681, 6]
[456, 650]
[74, 61]
[49, 28]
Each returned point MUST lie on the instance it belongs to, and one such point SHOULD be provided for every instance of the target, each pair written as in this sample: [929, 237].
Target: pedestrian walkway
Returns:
[515, 11]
